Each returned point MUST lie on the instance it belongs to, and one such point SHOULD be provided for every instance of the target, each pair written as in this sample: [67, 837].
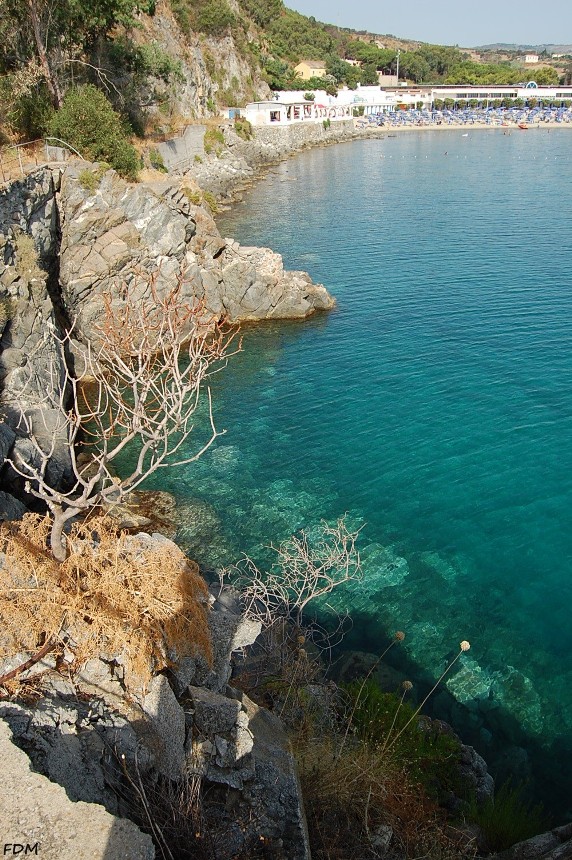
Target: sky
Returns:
[448, 22]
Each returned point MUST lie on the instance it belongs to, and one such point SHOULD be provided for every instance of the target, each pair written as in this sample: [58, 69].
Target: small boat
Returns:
[523, 126]
[465, 135]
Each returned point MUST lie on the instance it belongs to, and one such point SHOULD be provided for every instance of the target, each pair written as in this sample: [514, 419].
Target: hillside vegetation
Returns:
[161, 63]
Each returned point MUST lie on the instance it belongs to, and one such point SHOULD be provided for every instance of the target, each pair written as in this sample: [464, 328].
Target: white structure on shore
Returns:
[289, 107]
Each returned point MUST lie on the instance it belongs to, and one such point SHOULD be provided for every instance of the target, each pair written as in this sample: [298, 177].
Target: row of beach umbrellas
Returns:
[468, 116]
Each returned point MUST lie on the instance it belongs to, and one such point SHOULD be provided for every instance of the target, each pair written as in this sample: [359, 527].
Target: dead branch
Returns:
[141, 383]
[35, 658]
[305, 571]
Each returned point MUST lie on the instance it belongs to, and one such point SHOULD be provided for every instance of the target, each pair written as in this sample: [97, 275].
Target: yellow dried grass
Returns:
[143, 604]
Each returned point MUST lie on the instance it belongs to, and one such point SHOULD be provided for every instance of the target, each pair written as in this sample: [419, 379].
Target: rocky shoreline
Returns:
[244, 161]
[68, 238]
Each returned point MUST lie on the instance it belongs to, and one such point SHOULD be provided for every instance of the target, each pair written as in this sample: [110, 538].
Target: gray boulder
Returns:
[554, 845]
[37, 811]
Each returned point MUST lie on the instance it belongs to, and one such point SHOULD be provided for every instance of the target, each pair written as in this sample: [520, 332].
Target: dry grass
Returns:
[146, 605]
[350, 795]
[27, 258]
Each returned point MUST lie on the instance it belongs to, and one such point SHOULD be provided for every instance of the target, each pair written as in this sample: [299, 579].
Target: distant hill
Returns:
[536, 49]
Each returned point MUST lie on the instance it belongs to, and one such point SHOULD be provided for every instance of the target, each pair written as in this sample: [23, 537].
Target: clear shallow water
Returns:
[434, 405]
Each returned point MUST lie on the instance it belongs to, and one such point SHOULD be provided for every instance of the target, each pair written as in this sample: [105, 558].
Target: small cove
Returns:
[434, 405]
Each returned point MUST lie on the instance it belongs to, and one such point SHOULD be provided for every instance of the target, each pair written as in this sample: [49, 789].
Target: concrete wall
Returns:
[179, 152]
[292, 137]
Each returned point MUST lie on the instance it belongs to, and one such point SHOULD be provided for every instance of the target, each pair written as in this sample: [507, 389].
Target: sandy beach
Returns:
[507, 127]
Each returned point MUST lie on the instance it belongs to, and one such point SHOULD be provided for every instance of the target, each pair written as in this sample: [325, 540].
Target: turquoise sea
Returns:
[434, 405]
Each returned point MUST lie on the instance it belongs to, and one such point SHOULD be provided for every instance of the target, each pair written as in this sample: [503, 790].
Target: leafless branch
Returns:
[141, 382]
[305, 571]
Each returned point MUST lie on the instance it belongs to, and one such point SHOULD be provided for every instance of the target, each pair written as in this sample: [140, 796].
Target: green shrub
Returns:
[507, 818]
[213, 141]
[6, 311]
[210, 200]
[87, 121]
[156, 160]
[193, 197]
[243, 128]
[214, 17]
[30, 114]
[263, 11]
[88, 180]
[430, 756]
[151, 59]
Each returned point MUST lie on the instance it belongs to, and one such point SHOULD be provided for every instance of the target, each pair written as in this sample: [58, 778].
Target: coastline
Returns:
[244, 162]
[381, 133]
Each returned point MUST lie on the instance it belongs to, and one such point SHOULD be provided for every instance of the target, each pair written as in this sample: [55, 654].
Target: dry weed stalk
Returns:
[138, 383]
[399, 636]
[143, 605]
[390, 742]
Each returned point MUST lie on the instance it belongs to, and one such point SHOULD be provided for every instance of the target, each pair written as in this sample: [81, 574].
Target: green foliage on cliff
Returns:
[211, 17]
[430, 756]
[243, 128]
[263, 12]
[6, 311]
[40, 39]
[507, 817]
[213, 141]
[88, 122]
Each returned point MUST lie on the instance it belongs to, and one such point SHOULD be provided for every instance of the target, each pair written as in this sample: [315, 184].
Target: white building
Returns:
[291, 107]
[484, 96]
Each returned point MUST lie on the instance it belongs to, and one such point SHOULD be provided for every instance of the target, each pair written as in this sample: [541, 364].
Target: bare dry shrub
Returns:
[305, 570]
[140, 381]
[350, 795]
[191, 818]
[146, 603]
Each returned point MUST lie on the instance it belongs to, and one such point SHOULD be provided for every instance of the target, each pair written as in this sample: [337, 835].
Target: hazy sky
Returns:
[449, 22]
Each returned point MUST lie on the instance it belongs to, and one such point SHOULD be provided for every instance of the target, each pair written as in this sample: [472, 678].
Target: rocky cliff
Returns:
[73, 236]
[206, 69]
[191, 759]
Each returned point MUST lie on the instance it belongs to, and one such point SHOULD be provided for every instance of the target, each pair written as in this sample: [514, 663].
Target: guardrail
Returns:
[18, 159]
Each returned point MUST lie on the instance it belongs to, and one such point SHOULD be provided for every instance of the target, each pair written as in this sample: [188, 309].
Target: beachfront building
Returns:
[386, 80]
[290, 107]
[310, 69]
[486, 96]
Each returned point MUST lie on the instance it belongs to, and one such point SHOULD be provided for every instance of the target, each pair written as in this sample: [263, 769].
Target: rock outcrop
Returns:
[37, 812]
[204, 66]
[121, 235]
[554, 845]
[75, 238]
[97, 738]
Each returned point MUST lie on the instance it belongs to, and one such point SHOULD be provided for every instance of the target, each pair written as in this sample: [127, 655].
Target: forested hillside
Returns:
[161, 63]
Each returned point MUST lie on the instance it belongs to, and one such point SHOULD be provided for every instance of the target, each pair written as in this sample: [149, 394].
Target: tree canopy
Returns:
[43, 37]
